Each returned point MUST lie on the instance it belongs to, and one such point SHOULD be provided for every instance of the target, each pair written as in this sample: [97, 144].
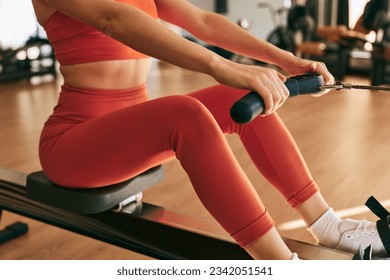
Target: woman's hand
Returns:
[298, 66]
[268, 83]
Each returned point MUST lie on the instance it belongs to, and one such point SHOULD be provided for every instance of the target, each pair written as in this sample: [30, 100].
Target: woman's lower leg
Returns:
[269, 247]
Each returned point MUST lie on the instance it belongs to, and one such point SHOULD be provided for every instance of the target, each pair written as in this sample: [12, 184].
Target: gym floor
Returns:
[344, 137]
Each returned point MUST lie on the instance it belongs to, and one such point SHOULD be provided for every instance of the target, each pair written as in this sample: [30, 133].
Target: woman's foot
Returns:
[357, 233]
[346, 235]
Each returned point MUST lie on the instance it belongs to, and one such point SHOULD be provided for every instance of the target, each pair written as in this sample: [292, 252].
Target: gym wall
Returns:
[236, 9]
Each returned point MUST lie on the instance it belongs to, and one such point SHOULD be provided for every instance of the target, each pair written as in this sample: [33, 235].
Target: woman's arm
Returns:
[218, 30]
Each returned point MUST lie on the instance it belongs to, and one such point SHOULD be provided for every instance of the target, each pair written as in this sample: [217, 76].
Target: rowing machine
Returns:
[140, 227]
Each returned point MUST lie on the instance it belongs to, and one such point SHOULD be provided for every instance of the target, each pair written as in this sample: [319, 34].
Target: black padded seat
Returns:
[88, 201]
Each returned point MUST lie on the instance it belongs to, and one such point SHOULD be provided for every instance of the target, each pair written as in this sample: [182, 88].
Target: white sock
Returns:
[326, 229]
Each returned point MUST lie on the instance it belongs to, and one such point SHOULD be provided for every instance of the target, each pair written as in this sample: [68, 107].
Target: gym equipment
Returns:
[331, 40]
[281, 35]
[221, 6]
[382, 224]
[140, 227]
[299, 21]
[383, 229]
[381, 48]
[252, 105]
[366, 254]
[341, 85]
[13, 231]
[35, 58]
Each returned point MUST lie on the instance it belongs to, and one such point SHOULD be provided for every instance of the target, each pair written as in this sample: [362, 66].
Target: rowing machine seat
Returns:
[89, 201]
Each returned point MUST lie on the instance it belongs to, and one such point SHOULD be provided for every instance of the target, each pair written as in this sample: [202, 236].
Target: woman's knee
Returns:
[191, 122]
[189, 110]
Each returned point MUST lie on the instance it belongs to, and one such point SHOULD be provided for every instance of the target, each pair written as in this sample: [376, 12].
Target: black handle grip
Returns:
[12, 231]
[252, 105]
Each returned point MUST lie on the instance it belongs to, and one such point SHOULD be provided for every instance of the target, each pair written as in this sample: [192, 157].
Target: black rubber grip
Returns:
[252, 105]
[15, 230]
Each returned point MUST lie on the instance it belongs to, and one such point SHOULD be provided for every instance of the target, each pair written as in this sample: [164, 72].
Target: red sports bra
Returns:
[77, 42]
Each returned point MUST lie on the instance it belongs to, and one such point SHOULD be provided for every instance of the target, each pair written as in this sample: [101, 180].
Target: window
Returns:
[17, 23]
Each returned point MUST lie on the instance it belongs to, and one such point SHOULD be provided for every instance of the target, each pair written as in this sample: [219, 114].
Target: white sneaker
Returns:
[359, 233]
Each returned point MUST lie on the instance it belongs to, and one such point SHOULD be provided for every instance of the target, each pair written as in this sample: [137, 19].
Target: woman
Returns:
[103, 115]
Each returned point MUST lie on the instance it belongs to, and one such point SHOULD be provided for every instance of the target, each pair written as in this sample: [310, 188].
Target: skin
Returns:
[139, 31]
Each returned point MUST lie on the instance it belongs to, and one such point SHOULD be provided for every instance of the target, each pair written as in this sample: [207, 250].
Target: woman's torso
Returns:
[110, 74]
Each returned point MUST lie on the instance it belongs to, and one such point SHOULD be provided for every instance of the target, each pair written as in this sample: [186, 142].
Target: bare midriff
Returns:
[112, 74]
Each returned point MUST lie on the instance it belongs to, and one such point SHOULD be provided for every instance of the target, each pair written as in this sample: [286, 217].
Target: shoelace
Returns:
[364, 229]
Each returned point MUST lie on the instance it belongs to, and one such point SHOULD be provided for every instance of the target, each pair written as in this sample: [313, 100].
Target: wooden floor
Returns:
[345, 138]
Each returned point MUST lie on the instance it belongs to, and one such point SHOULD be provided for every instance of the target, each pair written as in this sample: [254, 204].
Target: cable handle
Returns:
[251, 105]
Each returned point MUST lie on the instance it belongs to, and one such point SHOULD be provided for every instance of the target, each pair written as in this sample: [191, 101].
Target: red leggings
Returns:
[100, 137]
